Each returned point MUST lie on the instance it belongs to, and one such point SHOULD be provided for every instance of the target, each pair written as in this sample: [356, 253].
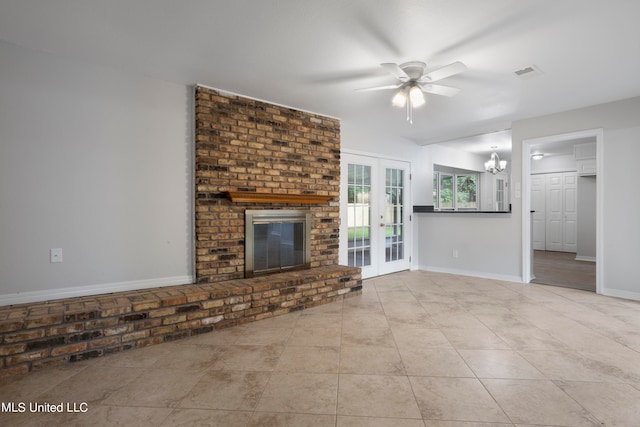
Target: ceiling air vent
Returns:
[528, 72]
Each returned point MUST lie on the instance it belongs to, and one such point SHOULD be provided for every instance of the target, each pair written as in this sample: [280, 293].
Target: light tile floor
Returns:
[416, 349]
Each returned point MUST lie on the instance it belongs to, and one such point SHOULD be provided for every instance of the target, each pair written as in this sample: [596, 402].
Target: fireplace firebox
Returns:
[276, 240]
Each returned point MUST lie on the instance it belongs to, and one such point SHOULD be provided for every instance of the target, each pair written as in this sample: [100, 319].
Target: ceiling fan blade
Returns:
[366, 89]
[396, 71]
[446, 71]
[439, 89]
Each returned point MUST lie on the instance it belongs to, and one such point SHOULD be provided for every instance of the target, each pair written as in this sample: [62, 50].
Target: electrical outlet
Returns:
[455, 253]
[56, 255]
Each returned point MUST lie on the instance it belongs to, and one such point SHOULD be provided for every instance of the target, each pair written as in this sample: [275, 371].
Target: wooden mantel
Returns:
[253, 197]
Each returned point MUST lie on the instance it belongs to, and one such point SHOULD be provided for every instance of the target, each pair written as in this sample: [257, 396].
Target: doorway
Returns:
[552, 238]
[375, 210]
[562, 269]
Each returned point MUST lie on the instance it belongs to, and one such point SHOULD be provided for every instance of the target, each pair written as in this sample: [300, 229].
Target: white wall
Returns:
[553, 164]
[357, 140]
[360, 140]
[445, 156]
[481, 241]
[620, 150]
[621, 232]
[586, 248]
[96, 162]
[436, 235]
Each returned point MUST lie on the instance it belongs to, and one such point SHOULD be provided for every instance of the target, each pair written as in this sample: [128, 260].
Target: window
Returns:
[467, 192]
[455, 190]
[445, 191]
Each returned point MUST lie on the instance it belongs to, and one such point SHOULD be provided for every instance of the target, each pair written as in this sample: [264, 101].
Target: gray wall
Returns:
[359, 141]
[620, 122]
[439, 234]
[96, 162]
[483, 245]
[586, 218]
[552, 164]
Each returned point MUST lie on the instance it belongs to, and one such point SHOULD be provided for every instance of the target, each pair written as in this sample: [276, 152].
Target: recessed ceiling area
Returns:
[313, 55]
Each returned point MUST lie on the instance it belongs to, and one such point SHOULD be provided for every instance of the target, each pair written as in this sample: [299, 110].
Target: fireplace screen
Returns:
[276, 240]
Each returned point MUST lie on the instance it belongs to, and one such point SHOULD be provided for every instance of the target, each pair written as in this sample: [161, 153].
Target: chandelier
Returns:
[494, 164]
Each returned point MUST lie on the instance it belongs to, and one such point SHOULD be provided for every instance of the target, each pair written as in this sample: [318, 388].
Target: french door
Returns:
[375, 226]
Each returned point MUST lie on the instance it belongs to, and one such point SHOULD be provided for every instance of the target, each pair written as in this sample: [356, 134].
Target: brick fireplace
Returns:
[252, 148]
[250, 155]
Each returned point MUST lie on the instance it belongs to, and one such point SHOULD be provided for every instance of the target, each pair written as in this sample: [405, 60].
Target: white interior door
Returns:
[538, 205]
[554, 213]
[375, 227]
[570, 212]
[561, 232]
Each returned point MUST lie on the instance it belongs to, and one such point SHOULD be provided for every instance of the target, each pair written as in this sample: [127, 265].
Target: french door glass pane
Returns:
[393, 216]
[359, 215]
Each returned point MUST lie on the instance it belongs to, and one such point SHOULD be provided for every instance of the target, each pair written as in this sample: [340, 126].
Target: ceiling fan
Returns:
[414, 81]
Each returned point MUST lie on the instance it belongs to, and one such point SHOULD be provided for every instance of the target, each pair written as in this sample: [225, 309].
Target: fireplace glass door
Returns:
[276, 240]
[278, 245]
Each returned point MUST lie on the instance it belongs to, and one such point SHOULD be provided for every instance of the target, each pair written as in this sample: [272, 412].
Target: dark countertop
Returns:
[430, 209]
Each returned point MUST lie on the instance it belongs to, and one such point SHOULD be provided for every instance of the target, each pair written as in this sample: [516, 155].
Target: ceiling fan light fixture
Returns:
[399, 99]
[411, 77]
[417, 97]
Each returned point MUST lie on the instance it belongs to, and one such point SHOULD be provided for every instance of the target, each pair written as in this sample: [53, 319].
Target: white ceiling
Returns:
[484, 144]
[312, 55]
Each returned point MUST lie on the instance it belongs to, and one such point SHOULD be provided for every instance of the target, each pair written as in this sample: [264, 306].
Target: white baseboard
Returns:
[82, 291]
[621, 294]
[585, 258]
[481, 274]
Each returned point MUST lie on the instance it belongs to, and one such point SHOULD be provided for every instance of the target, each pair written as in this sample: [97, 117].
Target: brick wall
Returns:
[248, 145]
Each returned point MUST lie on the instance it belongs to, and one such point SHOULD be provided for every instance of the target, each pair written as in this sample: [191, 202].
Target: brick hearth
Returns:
[33, 336]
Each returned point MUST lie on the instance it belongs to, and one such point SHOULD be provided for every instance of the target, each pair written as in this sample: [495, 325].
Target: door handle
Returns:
[382, 224]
